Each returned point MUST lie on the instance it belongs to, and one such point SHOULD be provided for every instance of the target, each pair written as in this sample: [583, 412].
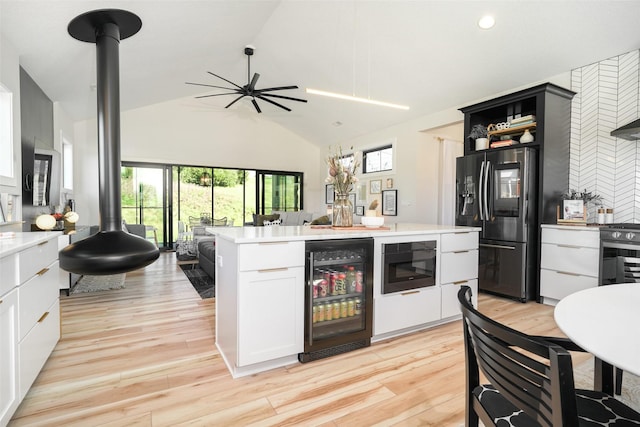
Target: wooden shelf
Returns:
[515, 129]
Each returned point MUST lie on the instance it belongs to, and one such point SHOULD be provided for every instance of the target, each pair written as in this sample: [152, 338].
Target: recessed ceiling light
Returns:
[486, 22]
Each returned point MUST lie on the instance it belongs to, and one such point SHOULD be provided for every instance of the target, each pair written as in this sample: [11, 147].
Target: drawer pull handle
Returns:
[42, 272]
[460, 282]
[460, 252]
[44, 316]
[409, 293]
[569, 274]
[43, 243]
[272, 243]
[269, 270]
[569, 246]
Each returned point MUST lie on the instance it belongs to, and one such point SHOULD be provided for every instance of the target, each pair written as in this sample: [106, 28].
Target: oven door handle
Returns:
[620, 246]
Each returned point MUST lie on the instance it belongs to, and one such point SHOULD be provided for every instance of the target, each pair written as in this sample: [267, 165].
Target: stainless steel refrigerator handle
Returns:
[480, 190]
[486, 190]
[486, 245]
[310, 304]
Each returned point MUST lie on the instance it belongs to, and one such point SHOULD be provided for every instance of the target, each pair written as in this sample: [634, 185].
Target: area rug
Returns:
[88, 283]
[200, 280]
[583, 378]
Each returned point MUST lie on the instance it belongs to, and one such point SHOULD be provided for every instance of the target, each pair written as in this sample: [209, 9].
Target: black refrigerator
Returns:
[496, 190]
[338, 297]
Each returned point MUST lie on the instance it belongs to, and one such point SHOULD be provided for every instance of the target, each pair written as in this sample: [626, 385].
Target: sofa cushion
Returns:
[258, 220]
[294, 218]
[207, 248]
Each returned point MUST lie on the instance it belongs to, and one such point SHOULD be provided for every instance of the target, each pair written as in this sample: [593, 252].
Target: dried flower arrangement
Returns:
[342, 171]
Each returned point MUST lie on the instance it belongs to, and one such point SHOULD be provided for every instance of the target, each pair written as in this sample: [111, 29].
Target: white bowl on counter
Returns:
[372, 221]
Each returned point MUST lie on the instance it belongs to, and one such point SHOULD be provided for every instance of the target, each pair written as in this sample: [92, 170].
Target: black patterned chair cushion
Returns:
[594, 409]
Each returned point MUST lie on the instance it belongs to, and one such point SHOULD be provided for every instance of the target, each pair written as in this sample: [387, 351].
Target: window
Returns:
[6, 133]
[378, 159]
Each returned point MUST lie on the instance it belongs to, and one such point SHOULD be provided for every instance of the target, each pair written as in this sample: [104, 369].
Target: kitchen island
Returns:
[260, 287]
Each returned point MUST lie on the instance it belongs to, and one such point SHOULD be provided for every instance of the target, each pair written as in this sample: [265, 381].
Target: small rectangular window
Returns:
[378, 159]
[6, 133]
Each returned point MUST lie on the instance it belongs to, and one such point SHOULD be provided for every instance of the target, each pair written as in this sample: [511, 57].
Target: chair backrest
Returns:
[534, 375]
[220, 222]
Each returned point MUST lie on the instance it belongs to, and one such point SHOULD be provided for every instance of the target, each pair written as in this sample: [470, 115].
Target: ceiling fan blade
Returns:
[235, 100]
[228, 81]
[269, 89]
[281, 97]
[202, 84]
[254, 80]
[217, 94]
[274, 103]
[255, 104]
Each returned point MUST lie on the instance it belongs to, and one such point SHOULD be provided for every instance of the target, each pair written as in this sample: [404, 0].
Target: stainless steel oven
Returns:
[619, 254]
[409, 265]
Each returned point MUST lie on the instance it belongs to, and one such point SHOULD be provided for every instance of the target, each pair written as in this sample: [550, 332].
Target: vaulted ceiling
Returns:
[430, 55]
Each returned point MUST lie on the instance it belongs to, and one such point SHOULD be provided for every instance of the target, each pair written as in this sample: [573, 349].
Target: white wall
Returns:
[174, 132]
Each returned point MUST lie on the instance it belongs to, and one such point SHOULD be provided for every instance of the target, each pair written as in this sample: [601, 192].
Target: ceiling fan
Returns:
[250, 88]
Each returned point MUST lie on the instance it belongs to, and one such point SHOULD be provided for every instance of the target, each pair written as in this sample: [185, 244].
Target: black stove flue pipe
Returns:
[111, 250]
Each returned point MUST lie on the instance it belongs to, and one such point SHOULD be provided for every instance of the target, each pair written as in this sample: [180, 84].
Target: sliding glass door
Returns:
[279, 191]
[144, 198]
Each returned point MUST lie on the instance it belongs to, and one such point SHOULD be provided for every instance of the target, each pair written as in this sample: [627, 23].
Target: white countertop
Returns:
[292, 233]
[604, 321]
[23, 240]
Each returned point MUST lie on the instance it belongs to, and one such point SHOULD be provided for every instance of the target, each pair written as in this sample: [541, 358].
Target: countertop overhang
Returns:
[296, 233]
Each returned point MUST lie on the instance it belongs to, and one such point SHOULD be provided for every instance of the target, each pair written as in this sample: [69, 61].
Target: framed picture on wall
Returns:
[390, 202]
[329, 193]
[375, 186]
[359, 210]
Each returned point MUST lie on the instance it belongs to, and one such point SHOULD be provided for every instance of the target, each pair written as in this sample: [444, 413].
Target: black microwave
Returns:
[407, 266]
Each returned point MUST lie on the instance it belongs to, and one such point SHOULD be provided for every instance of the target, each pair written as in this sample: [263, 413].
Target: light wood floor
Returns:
[145, 356]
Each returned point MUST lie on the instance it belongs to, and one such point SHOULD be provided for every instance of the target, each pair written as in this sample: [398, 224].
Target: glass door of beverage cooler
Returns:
[339, 295]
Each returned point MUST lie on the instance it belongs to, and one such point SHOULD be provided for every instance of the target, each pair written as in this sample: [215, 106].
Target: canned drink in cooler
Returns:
[323, 288]
[358, 307]
[351, 307]
[344, 310]
[320, 308]
[336, 310]
[333, 283]
[358, 281]
[328, 311]
[341, 284]
[315, 313]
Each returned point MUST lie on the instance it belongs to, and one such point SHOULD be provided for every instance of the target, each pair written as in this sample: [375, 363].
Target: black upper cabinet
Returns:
[543, 101]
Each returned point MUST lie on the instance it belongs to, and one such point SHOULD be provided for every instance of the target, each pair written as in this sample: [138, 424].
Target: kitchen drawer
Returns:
[450, 242]
[270, 255]
[584, 238]
[570, 259]
[35, 296]
[557, 285]
[450, 304]
[35, 348]
[456, 266]
[37, 257]
[9, 272]
[393, 312]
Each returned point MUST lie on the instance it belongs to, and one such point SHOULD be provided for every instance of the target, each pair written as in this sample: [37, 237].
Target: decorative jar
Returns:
[342, 211]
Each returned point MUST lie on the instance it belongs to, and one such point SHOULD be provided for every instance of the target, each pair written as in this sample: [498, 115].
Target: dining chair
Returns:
[530, 379]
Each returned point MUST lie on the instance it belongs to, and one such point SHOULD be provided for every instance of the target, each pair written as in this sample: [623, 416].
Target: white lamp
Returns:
[45, 222]
[71, 217]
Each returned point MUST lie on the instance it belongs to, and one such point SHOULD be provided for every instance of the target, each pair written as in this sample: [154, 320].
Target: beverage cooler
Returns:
[338, 297]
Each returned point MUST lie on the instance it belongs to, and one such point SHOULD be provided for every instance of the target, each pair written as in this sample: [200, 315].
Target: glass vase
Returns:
[342, 211]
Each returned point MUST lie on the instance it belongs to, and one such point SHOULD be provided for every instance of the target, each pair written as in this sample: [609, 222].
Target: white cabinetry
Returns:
[29, 314]
[569, 261]
[259, 304]
[458, 267]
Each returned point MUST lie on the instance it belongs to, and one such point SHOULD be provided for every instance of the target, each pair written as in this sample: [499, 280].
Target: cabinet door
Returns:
[8, 355]
[450, 304]
[270, 314]
[402, 310]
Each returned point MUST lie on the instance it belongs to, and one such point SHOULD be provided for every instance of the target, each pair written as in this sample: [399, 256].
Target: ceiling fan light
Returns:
[356, 99]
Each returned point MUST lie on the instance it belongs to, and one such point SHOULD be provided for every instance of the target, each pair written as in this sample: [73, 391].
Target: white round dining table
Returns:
[605, 321]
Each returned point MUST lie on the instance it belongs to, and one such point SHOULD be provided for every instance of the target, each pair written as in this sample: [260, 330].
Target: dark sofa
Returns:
[207, 256]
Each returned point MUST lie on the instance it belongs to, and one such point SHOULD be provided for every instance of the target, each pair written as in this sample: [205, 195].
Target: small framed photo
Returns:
[2, 218]
[359, 210]
[389, 182]
[329, 194]
[375, 186]
[573, 210]
[390, 202]
[352, 197]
